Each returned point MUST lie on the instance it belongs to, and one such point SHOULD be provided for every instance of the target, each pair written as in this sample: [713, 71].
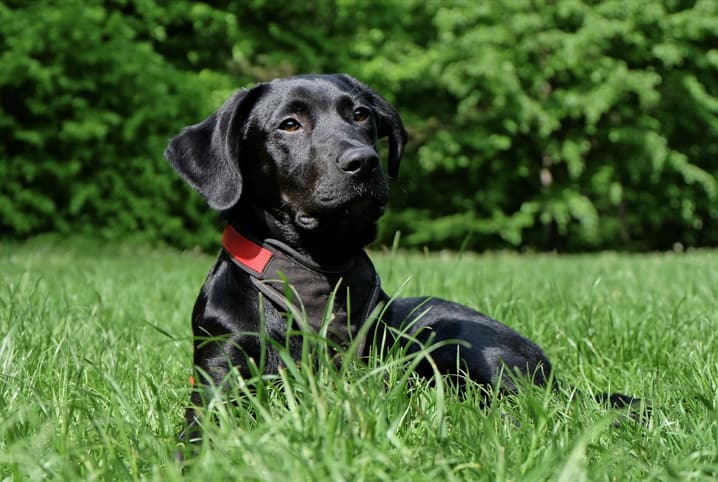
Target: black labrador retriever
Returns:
[293, 167]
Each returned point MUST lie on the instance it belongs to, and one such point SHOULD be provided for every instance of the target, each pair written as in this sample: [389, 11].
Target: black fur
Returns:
[295, 160]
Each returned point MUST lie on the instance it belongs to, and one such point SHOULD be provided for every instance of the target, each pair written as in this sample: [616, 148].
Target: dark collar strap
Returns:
[274, 267]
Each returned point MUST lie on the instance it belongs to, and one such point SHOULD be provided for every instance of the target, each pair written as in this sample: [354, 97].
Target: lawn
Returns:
[96, 353]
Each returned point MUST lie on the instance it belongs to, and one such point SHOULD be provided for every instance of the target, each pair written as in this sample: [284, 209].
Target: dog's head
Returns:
[302, 149]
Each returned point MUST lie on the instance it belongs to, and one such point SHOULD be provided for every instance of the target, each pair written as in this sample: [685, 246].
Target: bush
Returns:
[87, 109]
[576, 125]
[558, 125]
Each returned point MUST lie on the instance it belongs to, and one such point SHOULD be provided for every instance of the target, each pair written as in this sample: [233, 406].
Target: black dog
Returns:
[293, 167]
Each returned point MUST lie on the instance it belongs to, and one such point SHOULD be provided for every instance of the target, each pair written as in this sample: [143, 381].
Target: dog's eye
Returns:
[361, 114]
[290, 125]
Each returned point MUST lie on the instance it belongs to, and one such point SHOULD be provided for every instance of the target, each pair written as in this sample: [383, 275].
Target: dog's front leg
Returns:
[233, 333]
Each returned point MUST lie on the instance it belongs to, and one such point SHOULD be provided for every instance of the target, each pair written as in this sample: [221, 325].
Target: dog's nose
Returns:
[358, 161]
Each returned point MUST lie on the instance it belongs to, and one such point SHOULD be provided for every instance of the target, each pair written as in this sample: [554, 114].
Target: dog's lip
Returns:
[325, 216]
[306, 221]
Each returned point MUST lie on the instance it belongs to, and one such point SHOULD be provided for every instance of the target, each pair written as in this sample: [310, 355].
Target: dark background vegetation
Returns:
[564, 124]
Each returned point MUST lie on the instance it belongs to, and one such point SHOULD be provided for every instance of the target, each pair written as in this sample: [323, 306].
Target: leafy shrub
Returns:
[86, 111]
[576, 125]
[562, 124]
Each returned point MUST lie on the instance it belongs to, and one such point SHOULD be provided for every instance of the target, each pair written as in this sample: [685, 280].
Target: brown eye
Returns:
[290, 125]
[361, 114]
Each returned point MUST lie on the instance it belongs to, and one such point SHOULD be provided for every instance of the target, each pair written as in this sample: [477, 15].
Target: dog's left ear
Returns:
[207, 155]
[390, 124]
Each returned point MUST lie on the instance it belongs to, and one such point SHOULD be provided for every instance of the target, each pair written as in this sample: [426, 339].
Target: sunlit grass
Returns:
[96, 354]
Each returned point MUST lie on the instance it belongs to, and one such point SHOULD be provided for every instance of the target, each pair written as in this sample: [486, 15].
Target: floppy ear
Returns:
[206, 155]
[390, 124]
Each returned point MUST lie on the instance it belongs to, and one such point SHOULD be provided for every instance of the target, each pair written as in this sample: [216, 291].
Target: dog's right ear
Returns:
[207, 155]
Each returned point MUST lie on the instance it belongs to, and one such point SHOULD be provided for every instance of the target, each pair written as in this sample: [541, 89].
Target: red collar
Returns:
[244, 251]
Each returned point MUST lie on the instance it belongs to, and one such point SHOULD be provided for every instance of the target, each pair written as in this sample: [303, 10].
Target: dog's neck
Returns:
[305, 291]
[327, 248]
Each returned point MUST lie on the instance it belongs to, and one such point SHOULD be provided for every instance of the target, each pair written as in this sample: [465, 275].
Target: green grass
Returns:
[96, 353]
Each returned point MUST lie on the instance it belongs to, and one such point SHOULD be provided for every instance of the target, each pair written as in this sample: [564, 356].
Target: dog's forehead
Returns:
[320, 91]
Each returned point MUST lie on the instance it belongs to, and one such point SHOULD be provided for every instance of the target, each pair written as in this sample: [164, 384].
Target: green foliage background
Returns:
[565, 124]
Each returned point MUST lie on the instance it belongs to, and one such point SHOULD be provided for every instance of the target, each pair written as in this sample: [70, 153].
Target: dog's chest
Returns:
[336, 301]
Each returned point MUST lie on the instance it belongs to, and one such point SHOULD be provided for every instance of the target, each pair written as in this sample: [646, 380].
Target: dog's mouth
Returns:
[354, 214]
